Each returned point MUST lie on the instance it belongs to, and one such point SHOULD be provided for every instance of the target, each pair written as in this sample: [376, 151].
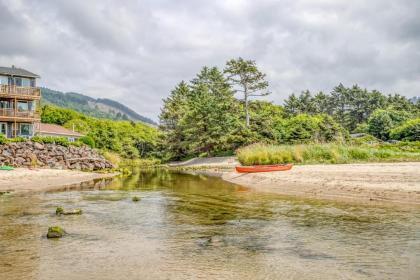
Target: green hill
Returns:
[99, 108]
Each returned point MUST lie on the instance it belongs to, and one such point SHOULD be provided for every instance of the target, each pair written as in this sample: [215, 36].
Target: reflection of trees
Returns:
[142, 179]
[197, 199]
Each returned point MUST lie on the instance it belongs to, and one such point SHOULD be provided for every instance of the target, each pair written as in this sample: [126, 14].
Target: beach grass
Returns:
[257, 154]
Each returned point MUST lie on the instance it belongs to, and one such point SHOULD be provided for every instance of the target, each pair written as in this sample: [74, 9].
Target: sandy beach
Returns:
[385, 182]
[24, 180]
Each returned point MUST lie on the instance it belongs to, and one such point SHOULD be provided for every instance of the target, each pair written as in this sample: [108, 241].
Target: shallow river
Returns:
[197, 227]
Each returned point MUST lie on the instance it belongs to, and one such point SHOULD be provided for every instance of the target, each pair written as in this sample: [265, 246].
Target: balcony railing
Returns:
[12, 113]
[15, 91]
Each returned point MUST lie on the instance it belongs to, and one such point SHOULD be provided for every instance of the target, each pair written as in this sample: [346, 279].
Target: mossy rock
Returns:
[55, 232]
[61, 211]
[136, 198]
[76, 211]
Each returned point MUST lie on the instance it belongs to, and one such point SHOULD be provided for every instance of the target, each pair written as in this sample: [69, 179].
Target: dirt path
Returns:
[22, 179]
[213, 162]
[393, 182]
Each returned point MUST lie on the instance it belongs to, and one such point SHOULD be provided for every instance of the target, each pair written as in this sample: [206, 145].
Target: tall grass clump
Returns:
[257, 154]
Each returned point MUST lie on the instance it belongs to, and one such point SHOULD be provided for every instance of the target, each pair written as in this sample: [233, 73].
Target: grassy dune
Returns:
[328, 153]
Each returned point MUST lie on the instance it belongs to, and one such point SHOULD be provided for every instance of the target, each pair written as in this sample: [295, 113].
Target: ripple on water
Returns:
[189, 227]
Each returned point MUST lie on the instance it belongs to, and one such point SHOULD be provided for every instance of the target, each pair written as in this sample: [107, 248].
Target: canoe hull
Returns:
[263, 168]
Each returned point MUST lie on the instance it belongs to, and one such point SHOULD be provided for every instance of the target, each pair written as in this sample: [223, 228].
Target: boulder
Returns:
[38, 146]
[55, 232]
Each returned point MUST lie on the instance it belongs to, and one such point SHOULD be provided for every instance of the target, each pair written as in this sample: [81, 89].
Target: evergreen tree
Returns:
[247, 79]
[173, 110]
[201, 118]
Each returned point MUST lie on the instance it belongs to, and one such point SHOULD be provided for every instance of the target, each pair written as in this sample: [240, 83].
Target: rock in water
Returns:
[55, 232]
[76, 211]
[60, 211]
[136, 198]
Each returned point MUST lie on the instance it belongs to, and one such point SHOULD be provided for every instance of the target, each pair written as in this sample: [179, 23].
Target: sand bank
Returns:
[23, 179]
[391, 182]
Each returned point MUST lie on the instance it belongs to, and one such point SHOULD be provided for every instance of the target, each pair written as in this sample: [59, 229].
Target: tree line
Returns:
[127, 138]
[203, 117]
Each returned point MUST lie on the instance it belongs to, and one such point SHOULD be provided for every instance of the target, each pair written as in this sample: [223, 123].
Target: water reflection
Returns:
[191, 227]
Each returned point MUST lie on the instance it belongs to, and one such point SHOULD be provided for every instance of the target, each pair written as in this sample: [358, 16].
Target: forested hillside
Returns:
[98, 108]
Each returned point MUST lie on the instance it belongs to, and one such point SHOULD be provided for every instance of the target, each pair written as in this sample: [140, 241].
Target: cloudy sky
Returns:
[136, 51]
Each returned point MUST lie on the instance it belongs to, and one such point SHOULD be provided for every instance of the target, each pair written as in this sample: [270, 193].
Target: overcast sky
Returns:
[136, 51]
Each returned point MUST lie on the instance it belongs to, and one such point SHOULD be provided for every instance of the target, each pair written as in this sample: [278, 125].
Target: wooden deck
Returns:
[11, 115]
[20, 93]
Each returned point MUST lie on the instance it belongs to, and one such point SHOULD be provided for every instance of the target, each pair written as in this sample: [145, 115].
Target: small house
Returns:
[46, 129]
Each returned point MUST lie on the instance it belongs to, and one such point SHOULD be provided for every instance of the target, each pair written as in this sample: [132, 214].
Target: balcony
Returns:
[27, 93]
[17, 115]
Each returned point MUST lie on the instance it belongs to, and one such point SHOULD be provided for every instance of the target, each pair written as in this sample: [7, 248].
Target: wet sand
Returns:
[26, 180]
[384, 182]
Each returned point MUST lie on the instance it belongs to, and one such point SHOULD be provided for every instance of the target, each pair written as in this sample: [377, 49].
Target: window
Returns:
[22, 106]
[18, 81]
[25, 129]
[3, 128]
[4, 80]
[4, 104]
[26, 82]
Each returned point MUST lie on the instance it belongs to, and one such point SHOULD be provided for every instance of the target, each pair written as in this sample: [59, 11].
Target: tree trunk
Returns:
[246, 109]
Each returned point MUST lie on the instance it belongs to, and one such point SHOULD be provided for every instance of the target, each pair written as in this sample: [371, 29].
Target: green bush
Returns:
[381, 122]
[88, 141]
[357, 153]
[408, 131]
[319, 153]
[304, 128]
[3, 139]
[366, 139]
[17, 139]
[76, 144]
[361, 128]
[63, 141]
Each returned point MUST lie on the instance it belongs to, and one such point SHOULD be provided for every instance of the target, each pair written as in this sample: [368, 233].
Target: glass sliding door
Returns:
[25, 129]
[3, 128]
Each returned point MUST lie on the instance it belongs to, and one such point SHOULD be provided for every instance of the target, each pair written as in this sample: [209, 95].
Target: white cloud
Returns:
[136, 51]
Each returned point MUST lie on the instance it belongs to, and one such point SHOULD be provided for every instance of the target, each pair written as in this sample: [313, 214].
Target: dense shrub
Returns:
[63, 141]
[56, 115]
[304, 128]
[381, 122]
[365, 139]
[17, 139]
[3, 139]
[321, 153]
[408, 131]
[88, 141]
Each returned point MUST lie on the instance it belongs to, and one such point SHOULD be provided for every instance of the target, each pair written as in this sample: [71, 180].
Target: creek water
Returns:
[198, 227]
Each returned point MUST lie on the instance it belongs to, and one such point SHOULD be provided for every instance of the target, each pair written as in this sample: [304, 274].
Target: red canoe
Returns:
[263, 168]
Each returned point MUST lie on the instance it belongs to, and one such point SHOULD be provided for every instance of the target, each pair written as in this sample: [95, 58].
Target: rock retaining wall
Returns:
[32, 154]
